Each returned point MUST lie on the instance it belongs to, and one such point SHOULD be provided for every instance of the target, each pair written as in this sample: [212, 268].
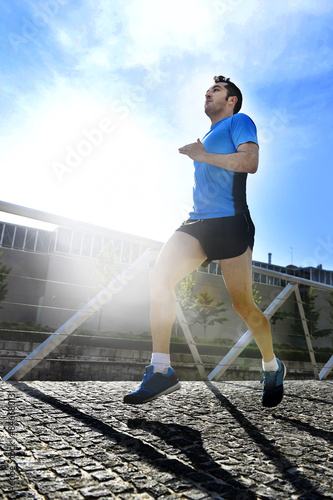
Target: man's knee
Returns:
[241, 308]
[240, 303]
[248, 311]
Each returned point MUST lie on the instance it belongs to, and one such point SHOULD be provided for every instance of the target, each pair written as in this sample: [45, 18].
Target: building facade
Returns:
[53, 275]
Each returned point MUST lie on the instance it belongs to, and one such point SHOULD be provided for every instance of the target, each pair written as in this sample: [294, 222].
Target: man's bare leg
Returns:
[180, 256]
[237, 274]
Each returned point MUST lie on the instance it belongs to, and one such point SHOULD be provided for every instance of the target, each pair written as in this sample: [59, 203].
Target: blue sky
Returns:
[96, 97]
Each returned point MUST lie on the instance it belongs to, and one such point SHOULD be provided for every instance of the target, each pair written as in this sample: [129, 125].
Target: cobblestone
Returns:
[77, 440]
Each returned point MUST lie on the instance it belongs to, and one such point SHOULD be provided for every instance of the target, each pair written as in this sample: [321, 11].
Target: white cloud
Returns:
[160, 28]
[264, 39]
[65, 39]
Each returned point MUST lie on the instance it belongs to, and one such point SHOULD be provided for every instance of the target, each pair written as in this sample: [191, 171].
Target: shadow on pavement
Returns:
[211, 481]
[308, 398]
[305, 427]
[189, 442]
[297, 479]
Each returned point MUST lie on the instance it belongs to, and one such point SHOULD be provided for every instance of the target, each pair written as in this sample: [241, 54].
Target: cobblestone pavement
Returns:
[77, 440]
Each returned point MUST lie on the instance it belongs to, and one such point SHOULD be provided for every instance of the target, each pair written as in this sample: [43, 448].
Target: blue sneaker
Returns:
[152, 386]
[273, 386]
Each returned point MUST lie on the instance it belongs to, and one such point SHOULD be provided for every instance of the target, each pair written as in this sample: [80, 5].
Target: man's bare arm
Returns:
[244, 160]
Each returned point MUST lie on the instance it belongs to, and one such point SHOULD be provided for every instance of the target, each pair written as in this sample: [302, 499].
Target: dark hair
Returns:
[232, 89]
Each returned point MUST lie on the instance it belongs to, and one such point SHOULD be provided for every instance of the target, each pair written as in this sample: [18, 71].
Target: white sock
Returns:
[271, 366]
[161, 362]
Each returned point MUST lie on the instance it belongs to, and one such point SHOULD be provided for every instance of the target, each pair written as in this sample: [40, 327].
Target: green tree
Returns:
[4, 271]
[257, 298]
[184, 293]
[312, 314]
[330, 301]
[206, 312]
[279, 315]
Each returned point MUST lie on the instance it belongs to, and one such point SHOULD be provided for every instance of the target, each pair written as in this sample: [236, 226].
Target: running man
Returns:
[218, 228]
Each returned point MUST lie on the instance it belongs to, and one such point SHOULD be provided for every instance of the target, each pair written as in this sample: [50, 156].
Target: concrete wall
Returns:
[111, 359]
[26, 284]
[60, 284]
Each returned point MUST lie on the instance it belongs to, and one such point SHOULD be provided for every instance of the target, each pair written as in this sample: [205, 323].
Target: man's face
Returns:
[216, 99]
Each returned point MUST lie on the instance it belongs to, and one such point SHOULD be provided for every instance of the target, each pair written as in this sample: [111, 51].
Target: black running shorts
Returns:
[223, 237]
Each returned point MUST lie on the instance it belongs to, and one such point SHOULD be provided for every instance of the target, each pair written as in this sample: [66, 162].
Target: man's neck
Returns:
[219, 117]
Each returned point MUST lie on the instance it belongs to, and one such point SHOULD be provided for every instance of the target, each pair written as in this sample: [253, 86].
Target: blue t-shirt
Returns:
[218, 192]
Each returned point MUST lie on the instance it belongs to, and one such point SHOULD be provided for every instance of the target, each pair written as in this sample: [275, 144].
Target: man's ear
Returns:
[233, 99]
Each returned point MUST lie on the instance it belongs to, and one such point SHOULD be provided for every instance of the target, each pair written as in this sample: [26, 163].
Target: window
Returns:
[270, 280]
[53, 241]
[97, 244]
[8, 235]
[19, 237]
[64, 237]
[117, 247]
[135, 252]
[213, 268]
[42, 244]
[87, 244]
[30, 241]
[76, 243]
[1, 231]
[126, 252]
[263, 278]
[203, 269]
